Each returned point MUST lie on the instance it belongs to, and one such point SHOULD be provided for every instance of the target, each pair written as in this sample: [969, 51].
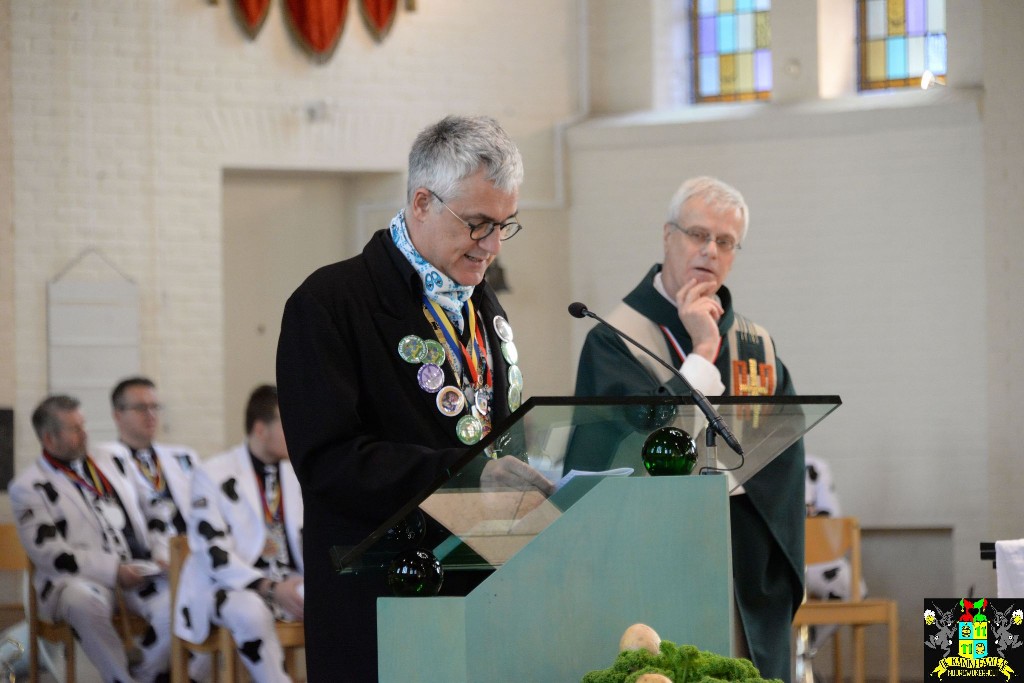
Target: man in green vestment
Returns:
[683, 311]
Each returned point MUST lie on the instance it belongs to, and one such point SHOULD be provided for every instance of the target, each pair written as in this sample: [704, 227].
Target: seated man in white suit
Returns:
[83, 529]
[245, 533]
[161, 473]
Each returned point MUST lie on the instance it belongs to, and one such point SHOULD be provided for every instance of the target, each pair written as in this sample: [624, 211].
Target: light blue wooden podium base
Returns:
[637, 549]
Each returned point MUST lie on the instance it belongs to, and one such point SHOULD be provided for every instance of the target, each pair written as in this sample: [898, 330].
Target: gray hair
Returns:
[45, 418]
[715, 193]
[447, 152]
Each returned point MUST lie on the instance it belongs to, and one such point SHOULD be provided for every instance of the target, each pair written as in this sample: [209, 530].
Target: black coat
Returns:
[363, 436]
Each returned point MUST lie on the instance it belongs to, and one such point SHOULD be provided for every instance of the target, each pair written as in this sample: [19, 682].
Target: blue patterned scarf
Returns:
[438, 287]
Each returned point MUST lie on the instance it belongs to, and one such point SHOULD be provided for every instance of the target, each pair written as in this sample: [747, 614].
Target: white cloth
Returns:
[1010, 568]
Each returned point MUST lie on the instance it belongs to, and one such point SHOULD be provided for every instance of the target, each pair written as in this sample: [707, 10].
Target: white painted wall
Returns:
[125, 115]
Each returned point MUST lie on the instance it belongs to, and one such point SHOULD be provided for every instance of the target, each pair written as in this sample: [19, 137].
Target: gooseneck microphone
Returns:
[715, 421]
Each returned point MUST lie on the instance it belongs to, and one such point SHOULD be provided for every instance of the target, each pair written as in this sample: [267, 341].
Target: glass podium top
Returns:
[470, 519]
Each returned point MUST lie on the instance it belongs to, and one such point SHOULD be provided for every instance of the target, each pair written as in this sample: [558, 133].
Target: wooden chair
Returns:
[14, 558]
[827, 540]
[219, 642]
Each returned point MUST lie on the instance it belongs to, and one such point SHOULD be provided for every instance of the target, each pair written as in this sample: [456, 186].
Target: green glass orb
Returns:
[669, 450]
[415, 573]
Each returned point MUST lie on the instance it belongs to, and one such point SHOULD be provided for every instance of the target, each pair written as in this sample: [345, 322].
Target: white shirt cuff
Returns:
[703, 375]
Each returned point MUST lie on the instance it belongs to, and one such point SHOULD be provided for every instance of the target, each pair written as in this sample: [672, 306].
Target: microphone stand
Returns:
[716, 425]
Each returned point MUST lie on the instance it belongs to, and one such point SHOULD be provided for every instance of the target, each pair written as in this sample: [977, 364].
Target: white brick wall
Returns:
[125, 113]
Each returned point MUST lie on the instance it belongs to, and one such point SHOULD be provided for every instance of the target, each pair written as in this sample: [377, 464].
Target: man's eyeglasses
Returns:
[143, 407]
[478, 231]
[701, 237]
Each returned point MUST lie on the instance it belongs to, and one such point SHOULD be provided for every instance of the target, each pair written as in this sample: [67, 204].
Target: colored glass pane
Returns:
[762, 5]
[896, 58]
[915, 55]
[745, 72]
[726, 6]
[915, 17]
[763, 70]
[708, 36]
[744, 5]
[876, 19]
[706, 8]
[937, 54]
[710, 84]
[936, 16]
[876, 60]
[744, 32]
[727, 72]
[763, 29]
[897, 18]
[727, 33]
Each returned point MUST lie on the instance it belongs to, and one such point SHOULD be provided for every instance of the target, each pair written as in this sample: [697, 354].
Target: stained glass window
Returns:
[732, 50]
[898, 40]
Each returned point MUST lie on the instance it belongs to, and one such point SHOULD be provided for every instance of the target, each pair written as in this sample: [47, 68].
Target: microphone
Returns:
[579, 310]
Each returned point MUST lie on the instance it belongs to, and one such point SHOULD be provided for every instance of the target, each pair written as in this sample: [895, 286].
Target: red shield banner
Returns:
[250, 15]
[378, 15]
[316, 25]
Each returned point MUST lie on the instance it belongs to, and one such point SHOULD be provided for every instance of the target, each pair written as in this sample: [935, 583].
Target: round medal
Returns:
[482, 403]
[431, 377]
[515, 398]
[469, 429]
[412, 349]
[502, 328]
[434, 352]
[515, 377]
[510, 352]
[450, 401]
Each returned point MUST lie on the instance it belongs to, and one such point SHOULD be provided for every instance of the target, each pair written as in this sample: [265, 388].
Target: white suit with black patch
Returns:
[825, 580]
[227, 536]
[164, 517]
[76, 568]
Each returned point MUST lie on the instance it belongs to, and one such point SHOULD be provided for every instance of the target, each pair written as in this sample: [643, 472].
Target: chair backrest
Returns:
[12, 554]
[828, 539]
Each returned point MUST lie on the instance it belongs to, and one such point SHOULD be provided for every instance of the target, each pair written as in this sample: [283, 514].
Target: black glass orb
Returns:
[669, 450]
[646, 417]
[410, 531]
[415, 573]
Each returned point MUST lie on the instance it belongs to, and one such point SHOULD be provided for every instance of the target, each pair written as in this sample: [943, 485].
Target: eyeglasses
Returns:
[702, 237]
[143, 407]
[478, 231]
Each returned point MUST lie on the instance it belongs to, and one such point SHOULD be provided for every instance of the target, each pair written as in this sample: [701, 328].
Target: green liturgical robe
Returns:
[767, 521]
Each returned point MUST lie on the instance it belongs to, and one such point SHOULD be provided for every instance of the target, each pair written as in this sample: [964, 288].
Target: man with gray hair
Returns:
[83, 529]
[683, 311]
[390, 365]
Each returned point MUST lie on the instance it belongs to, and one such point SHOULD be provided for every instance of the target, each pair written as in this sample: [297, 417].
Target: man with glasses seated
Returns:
[683, 311]
[390, 365]
[161, 473]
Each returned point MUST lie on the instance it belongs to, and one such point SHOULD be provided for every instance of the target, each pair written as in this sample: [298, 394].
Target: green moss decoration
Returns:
[681, 664]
